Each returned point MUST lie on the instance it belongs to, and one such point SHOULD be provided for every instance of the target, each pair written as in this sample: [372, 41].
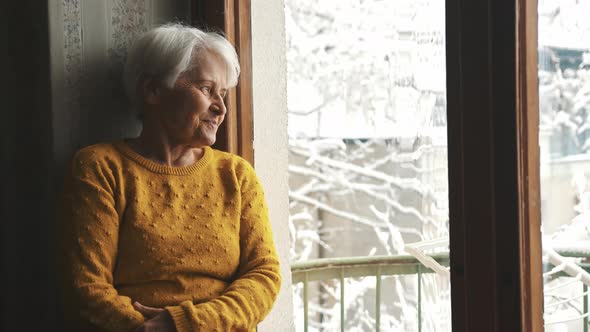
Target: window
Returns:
[564, 107]
[368, 163]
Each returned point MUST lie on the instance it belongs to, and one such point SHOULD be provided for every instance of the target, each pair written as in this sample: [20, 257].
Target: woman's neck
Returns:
[154, 144]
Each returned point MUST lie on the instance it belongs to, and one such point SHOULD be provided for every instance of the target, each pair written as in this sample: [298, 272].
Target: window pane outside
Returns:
[368, 156]
[564, 133]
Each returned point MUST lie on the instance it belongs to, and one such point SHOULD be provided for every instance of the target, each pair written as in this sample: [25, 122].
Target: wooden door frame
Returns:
[529, 165]
[232, 17]
[495, 242]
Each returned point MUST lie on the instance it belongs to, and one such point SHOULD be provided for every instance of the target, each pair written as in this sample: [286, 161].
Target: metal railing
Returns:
[379, 266]
[551, 271]
[351, 267]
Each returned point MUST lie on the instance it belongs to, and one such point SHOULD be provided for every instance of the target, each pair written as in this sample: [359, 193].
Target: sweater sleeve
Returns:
[89, 238]
[250, 297]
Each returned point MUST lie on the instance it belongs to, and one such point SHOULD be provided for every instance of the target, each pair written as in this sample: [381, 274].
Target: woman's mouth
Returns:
[211, 123]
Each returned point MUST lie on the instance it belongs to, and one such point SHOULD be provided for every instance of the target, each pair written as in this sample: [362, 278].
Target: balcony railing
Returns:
[379, 266]
[551, 271]
[351, 267]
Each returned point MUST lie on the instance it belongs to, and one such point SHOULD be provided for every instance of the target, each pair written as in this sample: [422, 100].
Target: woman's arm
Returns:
[89, 236]
[250, 297]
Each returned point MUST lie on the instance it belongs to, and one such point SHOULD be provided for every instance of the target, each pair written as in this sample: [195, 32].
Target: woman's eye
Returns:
[206, 89]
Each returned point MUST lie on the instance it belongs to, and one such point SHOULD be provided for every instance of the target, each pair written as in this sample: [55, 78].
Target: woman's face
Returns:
[194, 108]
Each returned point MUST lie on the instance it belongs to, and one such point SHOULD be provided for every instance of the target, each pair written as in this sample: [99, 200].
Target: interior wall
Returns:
[269, 70]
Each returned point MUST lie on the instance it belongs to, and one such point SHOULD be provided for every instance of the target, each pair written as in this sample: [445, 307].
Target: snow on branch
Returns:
[346, 215]
[399, 183]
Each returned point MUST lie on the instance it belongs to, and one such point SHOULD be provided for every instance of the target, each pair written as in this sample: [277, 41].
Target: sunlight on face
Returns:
[195, 106]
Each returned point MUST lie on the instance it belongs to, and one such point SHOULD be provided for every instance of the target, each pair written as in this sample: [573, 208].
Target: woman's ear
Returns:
[150, 91]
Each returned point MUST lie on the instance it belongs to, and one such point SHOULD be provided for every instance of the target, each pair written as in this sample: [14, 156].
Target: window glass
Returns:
[564, 139]
[368, 158]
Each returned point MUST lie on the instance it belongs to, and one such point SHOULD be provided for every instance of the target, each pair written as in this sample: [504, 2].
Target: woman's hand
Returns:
[147, 312]
[158, 319]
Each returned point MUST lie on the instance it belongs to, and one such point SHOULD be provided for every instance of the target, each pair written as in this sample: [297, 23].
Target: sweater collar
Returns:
[155, 167]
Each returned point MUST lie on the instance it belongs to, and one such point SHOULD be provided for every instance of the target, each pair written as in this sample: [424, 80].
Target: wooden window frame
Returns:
[492, 105]
[492, 109]
[232, 17]
[529, 166]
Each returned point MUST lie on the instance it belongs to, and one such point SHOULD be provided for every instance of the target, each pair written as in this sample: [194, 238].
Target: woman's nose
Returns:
[218, 106]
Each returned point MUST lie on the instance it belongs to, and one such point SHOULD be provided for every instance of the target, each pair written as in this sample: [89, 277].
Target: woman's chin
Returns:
[203, 141]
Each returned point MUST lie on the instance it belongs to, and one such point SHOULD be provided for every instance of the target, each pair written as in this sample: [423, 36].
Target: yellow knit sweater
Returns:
[195, 240]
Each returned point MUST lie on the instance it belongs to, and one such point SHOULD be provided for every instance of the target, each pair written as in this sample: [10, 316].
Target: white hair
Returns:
[163, 53]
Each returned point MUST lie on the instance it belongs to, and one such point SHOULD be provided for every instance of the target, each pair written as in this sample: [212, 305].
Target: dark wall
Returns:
[27, 186]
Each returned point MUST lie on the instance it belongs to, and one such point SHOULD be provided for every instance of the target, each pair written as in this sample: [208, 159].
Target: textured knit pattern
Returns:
[195, 240]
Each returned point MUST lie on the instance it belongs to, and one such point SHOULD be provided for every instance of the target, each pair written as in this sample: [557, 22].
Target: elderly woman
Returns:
[162, 232]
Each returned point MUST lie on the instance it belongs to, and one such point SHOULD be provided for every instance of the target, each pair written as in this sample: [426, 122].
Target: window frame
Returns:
[492, 109]
[529, 165]
[232, 17]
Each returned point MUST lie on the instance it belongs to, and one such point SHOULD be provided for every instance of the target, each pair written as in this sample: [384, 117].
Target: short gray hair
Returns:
[165, 52]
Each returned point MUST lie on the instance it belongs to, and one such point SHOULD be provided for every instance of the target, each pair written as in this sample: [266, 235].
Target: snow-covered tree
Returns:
[367, 146]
